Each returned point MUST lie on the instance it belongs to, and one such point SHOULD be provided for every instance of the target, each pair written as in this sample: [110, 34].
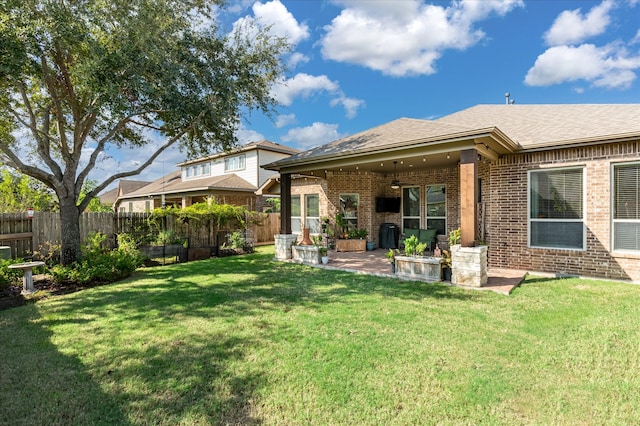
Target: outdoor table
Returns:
[27, 279]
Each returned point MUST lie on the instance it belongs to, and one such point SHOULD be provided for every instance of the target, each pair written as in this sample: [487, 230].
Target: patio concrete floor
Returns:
[374, 262]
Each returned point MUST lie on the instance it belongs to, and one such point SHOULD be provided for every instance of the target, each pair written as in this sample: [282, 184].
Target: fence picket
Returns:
[38, 234]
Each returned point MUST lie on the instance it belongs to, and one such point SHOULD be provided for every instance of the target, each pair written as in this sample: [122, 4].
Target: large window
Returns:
[296, 215]
[312, 213]
[203, 169]
[626, 207]
[556, 208]
[437, 208]
[410, 207]
[234, 163]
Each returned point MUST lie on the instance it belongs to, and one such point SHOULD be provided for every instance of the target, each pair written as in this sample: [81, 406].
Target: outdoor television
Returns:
[387, 204]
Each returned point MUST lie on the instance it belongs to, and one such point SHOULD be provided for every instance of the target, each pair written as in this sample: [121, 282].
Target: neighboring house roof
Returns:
[263, 145]
[172, 184]
[500, 128]
[124, 187]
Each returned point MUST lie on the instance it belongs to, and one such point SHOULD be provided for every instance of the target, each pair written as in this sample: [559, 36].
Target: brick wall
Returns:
[507, 214]
[504, 196]
[370, 185]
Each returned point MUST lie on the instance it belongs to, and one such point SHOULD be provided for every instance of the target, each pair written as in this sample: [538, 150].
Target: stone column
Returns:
[283, 244]
[469, 266]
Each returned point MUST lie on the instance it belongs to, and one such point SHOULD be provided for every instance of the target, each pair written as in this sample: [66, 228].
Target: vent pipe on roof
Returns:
[507, 100]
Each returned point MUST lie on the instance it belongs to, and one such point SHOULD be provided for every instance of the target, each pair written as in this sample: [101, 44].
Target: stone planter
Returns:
[469, 266]
[423, 268]
[351, 245]
[306, 254]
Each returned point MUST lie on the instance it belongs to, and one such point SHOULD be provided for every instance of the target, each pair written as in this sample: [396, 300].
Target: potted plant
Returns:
[324, 257]
[446, 265]
[454, 238]
[371, 244]
[391, 255]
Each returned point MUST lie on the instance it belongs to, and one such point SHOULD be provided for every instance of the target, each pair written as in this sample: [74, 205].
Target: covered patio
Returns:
[374, 262]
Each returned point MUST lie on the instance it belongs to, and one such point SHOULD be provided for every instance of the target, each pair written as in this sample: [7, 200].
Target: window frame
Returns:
[230, 167]
[582, 220]
[426, 206]
[298, 218]
[419, 216]
[314, 228]
[614, 198]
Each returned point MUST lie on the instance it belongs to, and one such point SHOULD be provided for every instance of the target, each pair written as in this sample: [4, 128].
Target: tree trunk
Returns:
[70, 230]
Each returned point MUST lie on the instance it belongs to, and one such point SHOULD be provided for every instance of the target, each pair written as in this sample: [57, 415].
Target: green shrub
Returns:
[99, 265]
[9, 276]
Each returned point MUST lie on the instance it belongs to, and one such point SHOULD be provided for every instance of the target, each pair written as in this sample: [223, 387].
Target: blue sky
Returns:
[359, 64]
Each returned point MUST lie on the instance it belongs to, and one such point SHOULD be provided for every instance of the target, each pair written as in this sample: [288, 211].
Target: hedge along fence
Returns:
[42, 232]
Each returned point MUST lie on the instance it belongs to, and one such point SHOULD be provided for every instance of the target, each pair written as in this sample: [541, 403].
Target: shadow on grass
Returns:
[189, 378]
[39, 385]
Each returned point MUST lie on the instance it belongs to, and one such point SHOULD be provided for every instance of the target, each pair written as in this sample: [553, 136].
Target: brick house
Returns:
[229, 177]
[548, 188]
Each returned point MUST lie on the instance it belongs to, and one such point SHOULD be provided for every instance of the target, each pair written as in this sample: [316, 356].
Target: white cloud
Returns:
[297, 58]
[284, 120]
[350, 105]
[608, 66]
[636, 39]
[282, 23]
[302, 85]
[571, 27]
[315, 135]
[406, 38]
[246, 136]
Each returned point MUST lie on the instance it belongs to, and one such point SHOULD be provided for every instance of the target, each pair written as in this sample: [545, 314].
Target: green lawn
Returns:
[246, 340]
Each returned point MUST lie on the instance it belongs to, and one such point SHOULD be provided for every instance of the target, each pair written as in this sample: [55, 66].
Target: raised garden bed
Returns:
[351, 245]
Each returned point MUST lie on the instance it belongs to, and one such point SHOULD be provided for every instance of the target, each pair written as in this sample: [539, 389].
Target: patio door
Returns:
[410, 207]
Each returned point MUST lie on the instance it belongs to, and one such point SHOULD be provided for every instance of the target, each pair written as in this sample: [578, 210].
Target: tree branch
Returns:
[117, 176]
[51, 86]
[41, 137]
[35, 172]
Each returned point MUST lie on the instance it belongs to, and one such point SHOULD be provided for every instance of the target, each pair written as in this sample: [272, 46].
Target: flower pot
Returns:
[325, 260]
[371, 245]
[446, 272]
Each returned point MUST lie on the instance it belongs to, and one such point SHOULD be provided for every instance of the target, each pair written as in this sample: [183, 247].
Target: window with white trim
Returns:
[436, 211]
[626, 207]
[234, 163]
[296, 217]
[556, 208]
[312, 213]
[410, 207]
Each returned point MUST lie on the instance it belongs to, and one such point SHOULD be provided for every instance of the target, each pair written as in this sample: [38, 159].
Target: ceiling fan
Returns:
[395, 183]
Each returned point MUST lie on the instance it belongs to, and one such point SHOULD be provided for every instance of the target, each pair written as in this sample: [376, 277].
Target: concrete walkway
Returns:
[375, 262]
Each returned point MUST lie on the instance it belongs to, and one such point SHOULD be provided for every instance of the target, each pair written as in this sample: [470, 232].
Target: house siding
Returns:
[266, 157]
[507, 214]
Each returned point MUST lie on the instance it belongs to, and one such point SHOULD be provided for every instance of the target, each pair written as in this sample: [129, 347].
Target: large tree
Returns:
[81, 77]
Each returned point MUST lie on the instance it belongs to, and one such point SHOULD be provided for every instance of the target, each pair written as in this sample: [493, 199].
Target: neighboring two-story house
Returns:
[231, 177]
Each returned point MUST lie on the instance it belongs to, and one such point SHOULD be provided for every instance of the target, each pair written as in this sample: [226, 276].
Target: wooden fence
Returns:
[42, 232]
